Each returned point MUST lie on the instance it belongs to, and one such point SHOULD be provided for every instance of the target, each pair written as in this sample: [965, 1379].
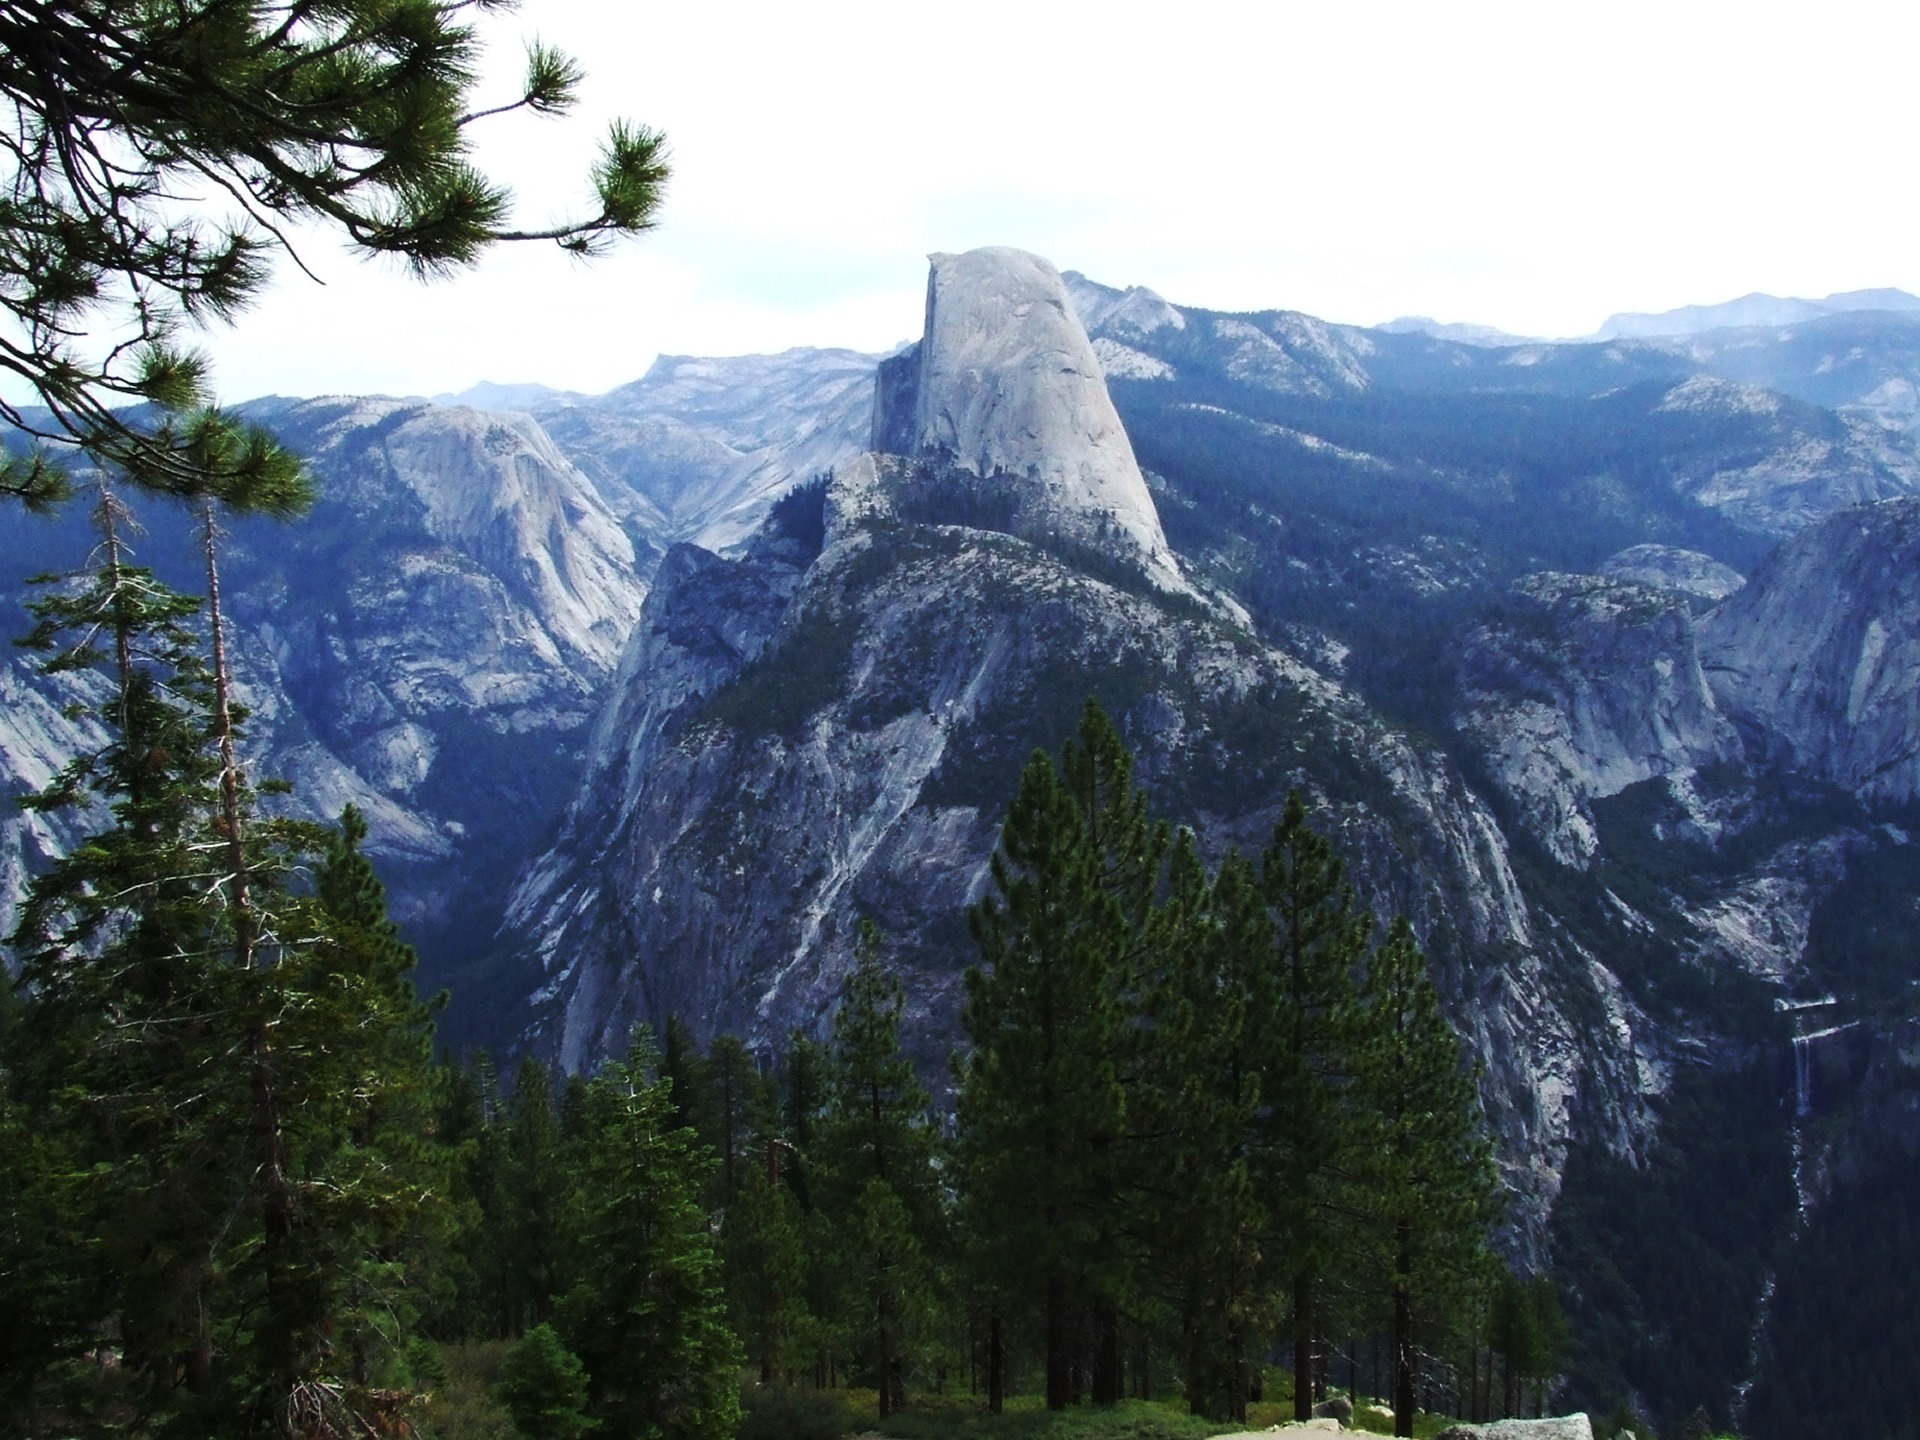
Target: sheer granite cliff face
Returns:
[1579, 687]
[1818, 658]
[795, 744]
[37, 739]
[1004, 387]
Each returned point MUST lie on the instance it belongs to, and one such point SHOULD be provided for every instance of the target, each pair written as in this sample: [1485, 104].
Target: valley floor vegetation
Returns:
[1202, 1118]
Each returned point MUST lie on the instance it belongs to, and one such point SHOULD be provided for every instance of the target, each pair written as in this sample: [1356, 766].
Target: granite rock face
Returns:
[1554, 1427]
[1005, 387]
[1814, 462]
[830, 724]
[37, 739]
[1667, 567]
[697, 450]
[798, 743]
[1580, 687]
[429, 645]
[1818, 658]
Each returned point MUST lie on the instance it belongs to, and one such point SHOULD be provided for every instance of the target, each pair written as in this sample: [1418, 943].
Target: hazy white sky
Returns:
[1534, 166]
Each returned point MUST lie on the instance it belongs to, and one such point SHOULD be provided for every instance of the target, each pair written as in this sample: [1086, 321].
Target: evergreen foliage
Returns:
[156, 158]
[1309, 1136]
[1042, 1111]
[873, 1176]
[1426, 1166]
[646, 1311]
[227, 1065]
[1161, 1053]
[1195, 1101]
[544, 1387]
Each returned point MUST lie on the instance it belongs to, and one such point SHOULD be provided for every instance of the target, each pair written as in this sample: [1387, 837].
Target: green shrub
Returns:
[780, 1412]
[543, 1386]
[460, 1405]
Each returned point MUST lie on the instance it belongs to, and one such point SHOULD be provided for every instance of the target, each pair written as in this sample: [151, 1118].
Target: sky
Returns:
[1533, 166]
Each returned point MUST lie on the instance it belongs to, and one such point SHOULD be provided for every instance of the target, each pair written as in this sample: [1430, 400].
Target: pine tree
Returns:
[1427, 1163]
[1319, 937]
[119, 995]
[646, 1312]
[1199, 1107]
[543, 1386]
[765, 1248]
[120, 116]
[1042, 1110]
[872, 1166]
[741, 1111]
[216, 1049]
[533, 1183]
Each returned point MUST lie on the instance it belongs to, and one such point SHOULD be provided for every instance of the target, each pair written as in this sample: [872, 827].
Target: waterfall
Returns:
[1803, 1065]
[1802, 1076]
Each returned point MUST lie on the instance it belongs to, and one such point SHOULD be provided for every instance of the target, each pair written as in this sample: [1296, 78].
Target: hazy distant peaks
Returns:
[1463, 333]
[1751, 310]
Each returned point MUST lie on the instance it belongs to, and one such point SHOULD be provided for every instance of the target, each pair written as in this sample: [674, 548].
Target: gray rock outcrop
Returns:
[1556, 1427]
[697, 450]
[1667, 567]
[820, 730]
[1580, 687]
[1819, 656]
[1005, 387]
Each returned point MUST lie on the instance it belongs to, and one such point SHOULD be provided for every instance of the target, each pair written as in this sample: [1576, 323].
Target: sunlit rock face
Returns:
[1668, 567]
[38, 737]
[1005, 387]
[428, 645]
[697, 449]
[796, 741]
[1819, 656]
[830, 724]
[1579, 687]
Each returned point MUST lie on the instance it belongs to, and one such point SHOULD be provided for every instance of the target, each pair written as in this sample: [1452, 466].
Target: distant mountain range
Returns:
[1748, 312]
[1753, 310]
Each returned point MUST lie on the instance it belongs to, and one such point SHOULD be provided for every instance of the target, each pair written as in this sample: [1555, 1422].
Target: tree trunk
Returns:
[1322, 1351]
[1106, 1354]
[1059, 1352]
[1237, 1359]
[269, 1141]
[1403, 1367]
[884, 1379]
[996, 1365]
[1303, 1346]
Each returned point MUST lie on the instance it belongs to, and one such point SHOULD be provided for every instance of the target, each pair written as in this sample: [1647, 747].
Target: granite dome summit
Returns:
[1005, 386]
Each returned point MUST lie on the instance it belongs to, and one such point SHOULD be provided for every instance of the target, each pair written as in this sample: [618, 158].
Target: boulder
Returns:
[1557, 1427]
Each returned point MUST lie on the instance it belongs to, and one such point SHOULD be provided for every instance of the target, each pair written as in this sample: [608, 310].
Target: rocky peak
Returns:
[1005, 387]
[1131, 313]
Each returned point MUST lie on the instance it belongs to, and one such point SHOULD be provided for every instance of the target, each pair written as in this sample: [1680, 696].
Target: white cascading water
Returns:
[1802, 1076]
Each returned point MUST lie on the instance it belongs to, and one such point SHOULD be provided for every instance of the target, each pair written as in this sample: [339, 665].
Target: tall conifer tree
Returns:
[1319, 938]
[1198, 1110]
[873, 1171]
[214, 1048]
[1427, 1167]
[1042, 1108]
[646, 1312]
